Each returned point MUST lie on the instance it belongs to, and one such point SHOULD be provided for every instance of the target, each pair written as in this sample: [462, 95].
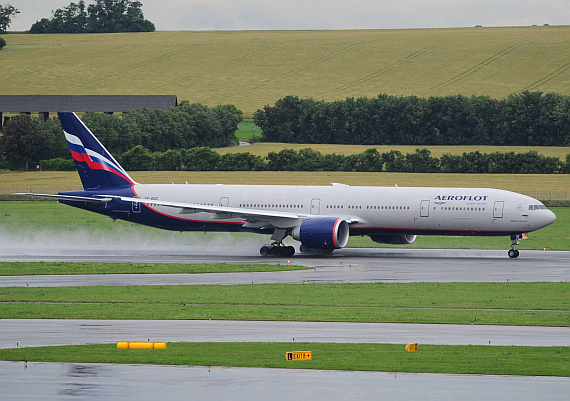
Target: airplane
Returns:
[321, 218]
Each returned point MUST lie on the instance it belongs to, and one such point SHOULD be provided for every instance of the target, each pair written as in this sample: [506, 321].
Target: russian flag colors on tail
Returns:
[96, 167]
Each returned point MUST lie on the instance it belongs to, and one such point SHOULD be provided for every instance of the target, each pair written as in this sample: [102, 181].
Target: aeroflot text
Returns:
[464, 198]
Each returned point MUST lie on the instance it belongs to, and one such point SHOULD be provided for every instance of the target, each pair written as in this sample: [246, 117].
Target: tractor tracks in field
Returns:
[383, 70]
[219, 67]
[294, 71]
[475, 68]
[547, 78]
[135, 66]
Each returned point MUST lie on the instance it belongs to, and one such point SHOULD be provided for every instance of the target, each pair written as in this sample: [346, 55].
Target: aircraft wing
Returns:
[253, 217]
[88, 199]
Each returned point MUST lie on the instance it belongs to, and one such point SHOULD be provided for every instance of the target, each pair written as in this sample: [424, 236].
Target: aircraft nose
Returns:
[550, 218]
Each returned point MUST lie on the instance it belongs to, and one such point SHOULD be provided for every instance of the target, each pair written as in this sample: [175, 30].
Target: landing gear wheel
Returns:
[265, 250]
[286, 251]
[513, 252]
[277, 250]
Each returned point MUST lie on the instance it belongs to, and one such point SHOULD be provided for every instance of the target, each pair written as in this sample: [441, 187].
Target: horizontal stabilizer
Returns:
[101, 199]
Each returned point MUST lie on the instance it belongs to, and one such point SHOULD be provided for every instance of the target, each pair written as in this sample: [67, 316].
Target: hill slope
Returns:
[253, 68]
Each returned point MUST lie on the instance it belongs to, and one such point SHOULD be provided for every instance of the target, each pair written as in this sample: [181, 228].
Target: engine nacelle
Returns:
[393, 239]
[322, 233]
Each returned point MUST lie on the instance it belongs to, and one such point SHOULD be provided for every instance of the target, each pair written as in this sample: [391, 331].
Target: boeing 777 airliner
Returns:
[321, 218]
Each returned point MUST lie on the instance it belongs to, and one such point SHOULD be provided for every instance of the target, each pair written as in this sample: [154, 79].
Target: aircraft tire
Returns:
[287, 251]
[513, 253]
[265, 251]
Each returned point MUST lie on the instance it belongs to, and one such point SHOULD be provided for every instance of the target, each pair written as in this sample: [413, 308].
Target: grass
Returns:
[524, 304]
[43, 268]
[494, 360]
[263, 148]
[253, 68]
[528, 183]
[40, 221]
[246, 131]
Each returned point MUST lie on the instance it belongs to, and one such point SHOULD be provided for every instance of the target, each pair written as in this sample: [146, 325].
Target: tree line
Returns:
[6, 13]
[522, 119]
[186, 126]
[420, 161]
[102, 16]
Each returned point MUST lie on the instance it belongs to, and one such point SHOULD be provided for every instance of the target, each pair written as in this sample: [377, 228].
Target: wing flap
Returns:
[220, 212]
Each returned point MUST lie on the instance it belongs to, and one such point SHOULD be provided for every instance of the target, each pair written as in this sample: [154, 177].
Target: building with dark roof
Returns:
[45, 104]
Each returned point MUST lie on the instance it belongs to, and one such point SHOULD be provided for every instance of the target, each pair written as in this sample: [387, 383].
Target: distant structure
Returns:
[45, 104]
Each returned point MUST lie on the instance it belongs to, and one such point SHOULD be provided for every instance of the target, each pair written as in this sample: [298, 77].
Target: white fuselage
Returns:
[376, 210]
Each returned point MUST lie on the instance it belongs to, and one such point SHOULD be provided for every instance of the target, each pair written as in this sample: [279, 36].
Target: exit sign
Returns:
[299, 355]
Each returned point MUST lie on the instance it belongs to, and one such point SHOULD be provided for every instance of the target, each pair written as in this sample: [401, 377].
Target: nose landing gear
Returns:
[514, 252]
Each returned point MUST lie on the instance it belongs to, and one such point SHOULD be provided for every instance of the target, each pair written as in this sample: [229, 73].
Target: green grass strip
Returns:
[43, 268]
[494, 360]
[508, 295]
[535, 304]
[281, 313]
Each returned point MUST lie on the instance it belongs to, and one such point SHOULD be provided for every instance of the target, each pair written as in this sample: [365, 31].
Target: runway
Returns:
[345, 265]
[54, 381]
[35, 332]
[57, 381]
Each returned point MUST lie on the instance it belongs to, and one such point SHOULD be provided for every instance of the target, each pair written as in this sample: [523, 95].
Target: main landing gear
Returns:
[514, 252]
[277, 248]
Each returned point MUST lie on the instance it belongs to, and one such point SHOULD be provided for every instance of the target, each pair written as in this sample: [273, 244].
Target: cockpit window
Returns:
[536, 207]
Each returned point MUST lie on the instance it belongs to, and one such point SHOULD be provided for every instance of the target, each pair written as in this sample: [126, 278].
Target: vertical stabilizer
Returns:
[95, 165]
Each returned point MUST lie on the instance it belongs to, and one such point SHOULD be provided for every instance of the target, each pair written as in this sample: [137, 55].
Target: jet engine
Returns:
[393, 239]
[322, 233]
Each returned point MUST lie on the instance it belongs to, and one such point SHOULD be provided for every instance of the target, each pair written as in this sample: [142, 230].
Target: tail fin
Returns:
[95, 165]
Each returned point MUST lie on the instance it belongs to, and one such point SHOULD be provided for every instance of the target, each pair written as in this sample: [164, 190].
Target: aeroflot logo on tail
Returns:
[461, 198]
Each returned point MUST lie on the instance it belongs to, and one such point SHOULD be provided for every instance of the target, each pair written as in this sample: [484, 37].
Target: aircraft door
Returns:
[424, 208]
[315, 206]
[136, 207]
[224, 201]
[498, 209]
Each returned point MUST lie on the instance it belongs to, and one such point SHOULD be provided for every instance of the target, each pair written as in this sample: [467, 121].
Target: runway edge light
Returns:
[412, 347]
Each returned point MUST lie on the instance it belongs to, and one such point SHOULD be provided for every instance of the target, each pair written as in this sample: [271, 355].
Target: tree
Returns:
[117, 16]
[2, 43]
[23, 140]
[104, 16]
[137, 159]
[6, 13]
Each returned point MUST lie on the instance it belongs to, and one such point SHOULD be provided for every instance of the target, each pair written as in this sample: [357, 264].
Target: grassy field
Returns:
[263, 148]
[517, 304]
[494, 360]
[246, 131]
[253, 68]
[527, 183]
